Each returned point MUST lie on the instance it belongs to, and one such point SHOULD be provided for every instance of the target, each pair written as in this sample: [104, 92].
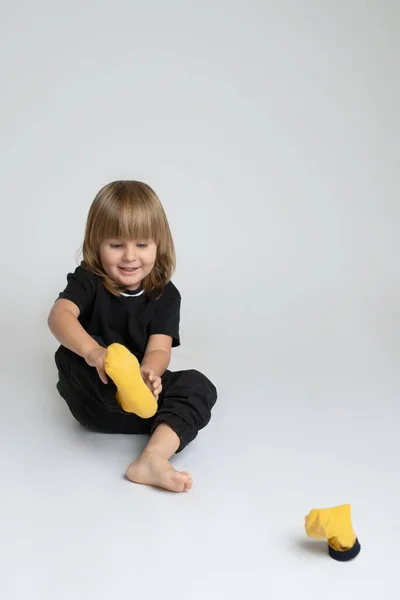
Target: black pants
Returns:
[184, 404]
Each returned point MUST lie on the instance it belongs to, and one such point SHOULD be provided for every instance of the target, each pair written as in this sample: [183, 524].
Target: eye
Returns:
[142, 245]
[116, 245]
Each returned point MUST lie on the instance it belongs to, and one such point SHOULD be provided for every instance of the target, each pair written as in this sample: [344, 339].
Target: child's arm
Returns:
[155, 362]
[64, 325]
[157, 355]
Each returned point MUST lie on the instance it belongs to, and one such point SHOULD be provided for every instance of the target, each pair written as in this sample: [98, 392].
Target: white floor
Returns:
[74, 527]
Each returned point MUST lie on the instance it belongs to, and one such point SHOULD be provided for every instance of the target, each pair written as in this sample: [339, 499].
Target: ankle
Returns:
[154, 452]
[163, 443]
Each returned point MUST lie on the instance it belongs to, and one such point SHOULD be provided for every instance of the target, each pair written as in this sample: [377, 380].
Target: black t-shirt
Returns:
[129, 319]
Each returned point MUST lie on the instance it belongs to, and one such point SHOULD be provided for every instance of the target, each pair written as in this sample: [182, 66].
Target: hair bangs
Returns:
[128, 218]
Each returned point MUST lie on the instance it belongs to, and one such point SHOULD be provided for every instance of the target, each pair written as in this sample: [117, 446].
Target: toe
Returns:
[188, 485]
[189, 481]
[179, 480]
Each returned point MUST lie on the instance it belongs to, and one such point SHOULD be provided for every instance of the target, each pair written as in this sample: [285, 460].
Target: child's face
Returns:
[128, 262]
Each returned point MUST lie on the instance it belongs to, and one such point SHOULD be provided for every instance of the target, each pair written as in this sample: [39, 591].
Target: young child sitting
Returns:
[117, 321]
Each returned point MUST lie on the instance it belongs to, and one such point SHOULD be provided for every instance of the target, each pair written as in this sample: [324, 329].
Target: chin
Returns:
[129, 281]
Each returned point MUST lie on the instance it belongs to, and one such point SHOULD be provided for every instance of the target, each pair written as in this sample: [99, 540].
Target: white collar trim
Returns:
[132, 295]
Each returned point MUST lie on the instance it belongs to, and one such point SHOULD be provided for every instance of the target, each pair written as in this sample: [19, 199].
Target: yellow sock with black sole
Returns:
[335, 526]
[133, 395]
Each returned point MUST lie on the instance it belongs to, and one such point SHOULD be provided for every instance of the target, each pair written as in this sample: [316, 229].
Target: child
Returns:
[116, 321]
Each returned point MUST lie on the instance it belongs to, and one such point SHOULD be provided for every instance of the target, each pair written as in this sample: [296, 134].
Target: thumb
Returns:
[145, 373]
[102, 375]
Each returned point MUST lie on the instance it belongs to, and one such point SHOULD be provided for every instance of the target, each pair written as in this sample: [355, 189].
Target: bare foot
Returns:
[151, 469]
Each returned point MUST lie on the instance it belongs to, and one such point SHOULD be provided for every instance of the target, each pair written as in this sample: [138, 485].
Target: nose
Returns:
[130, 252]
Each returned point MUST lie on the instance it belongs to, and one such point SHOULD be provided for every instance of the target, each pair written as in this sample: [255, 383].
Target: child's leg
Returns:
[185, 407]
[153, 466]
[91, 402]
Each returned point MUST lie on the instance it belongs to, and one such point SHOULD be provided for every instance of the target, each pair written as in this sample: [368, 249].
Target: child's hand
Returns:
[152, 381]
[95, 358]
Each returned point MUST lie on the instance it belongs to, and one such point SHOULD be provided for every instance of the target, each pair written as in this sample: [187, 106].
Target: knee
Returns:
[203, 386]
[187, 404]
[199, 395]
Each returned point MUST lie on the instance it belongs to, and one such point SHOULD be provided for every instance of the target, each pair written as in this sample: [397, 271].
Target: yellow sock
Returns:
[133, 395]
[335, 526]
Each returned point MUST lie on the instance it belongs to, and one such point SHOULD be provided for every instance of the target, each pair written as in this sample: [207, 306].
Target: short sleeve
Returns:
[80, 289]
[167, 315]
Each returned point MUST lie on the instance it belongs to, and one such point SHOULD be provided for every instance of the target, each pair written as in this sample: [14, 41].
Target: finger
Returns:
[102, 375]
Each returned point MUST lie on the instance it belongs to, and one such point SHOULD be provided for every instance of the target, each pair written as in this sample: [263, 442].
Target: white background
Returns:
[270, 131]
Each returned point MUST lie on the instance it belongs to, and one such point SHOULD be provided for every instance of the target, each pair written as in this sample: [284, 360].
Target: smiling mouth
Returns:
[128, 269]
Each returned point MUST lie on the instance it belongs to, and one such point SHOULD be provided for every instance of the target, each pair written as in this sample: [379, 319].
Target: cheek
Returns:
[108, 259]
[150, 258]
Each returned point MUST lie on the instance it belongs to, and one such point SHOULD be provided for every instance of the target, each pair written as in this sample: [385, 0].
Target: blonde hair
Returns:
[129, 210]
